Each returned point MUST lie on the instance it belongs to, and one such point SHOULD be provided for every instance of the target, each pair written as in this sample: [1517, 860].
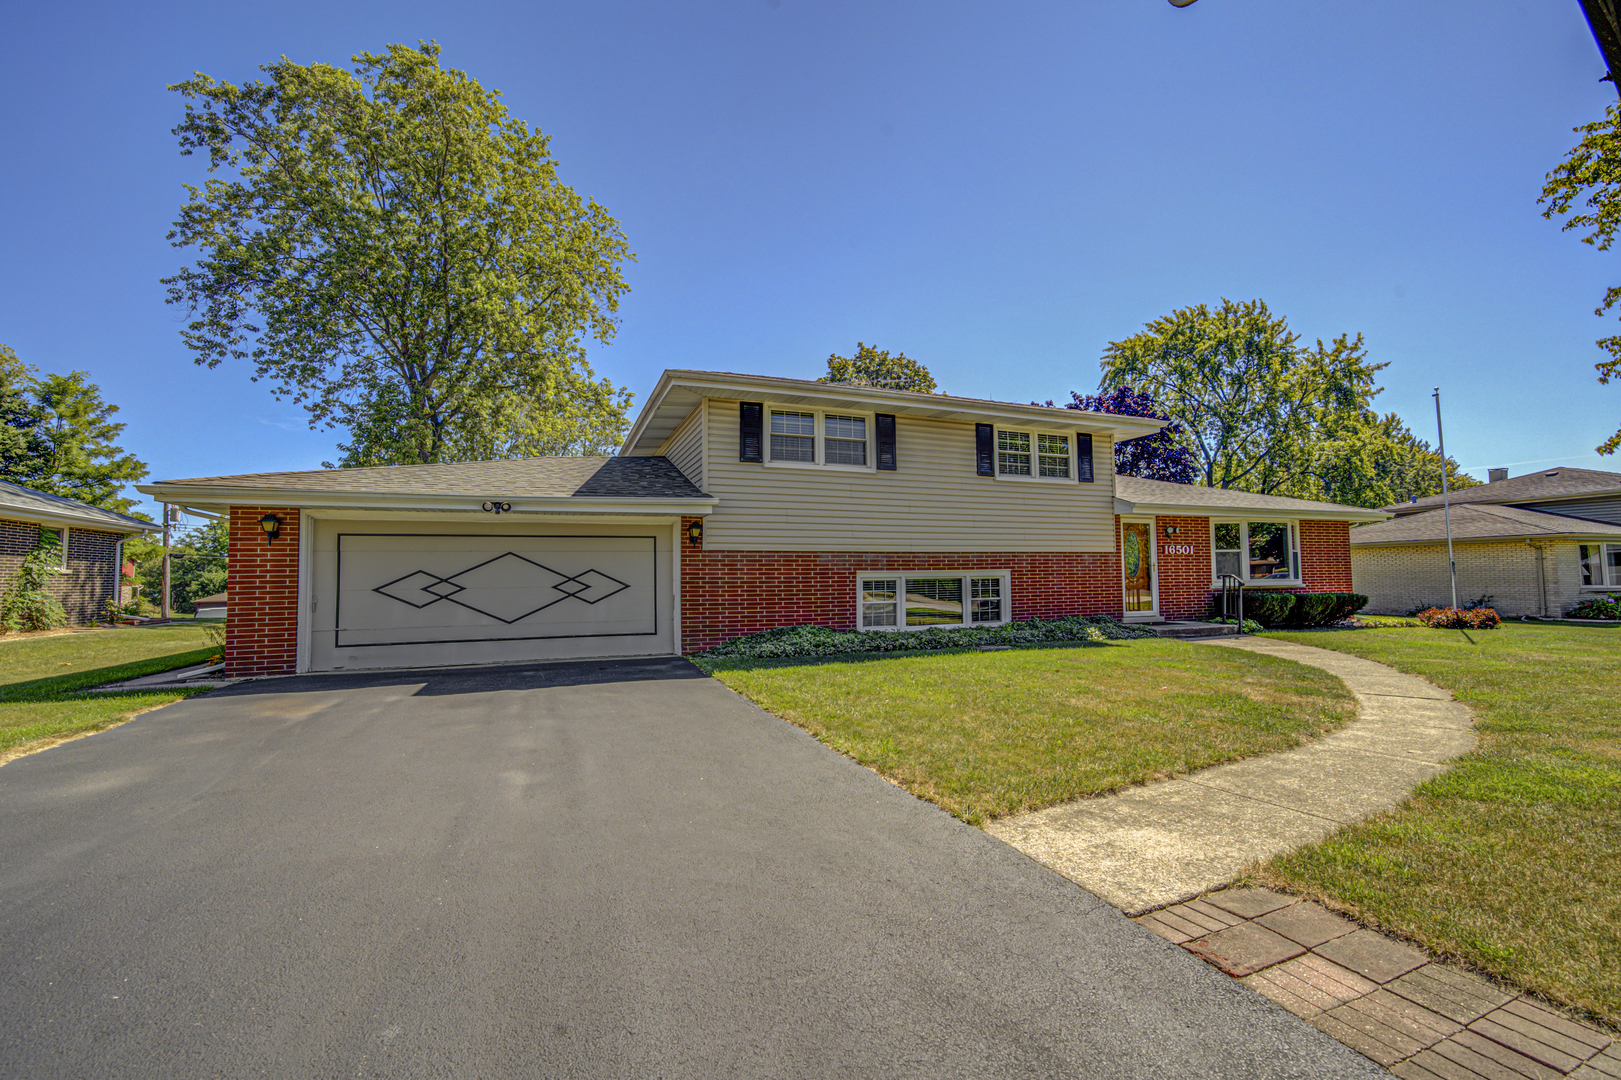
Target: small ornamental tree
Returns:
[1161, 456]
[27, 604]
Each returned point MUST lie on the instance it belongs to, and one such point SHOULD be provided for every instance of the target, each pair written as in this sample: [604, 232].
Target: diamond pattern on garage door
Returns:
[503, 583]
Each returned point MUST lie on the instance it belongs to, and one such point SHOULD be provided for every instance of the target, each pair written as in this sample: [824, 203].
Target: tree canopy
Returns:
[876, 367]
[1161, 456]
[393, 251]
[57, 435]
[1260, 411]
[1593, 169]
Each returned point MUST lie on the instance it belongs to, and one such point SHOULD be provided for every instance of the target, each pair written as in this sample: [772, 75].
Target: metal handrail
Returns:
[1232, 599]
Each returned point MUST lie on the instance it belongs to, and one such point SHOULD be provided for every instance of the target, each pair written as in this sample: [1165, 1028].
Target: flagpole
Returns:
[1446, 501]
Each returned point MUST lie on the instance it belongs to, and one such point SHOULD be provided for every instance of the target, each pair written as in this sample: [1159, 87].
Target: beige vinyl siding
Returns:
[933, 502]
[685, 448]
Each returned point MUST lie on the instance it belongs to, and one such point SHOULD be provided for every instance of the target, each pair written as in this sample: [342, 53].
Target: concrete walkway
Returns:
[1155, 845]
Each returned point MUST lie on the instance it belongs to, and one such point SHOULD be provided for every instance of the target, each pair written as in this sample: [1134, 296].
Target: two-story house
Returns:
[740, 503]
[1535, 544]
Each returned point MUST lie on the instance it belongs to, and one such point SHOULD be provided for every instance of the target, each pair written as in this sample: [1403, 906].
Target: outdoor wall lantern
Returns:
[271, 524]
[496, 506]
[1171, 530]
[695, 533]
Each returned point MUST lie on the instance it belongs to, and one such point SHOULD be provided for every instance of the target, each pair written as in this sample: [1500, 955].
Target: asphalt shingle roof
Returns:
[15, 498]
[544, 477]
[1562, 483]
[1478, 522]
[1159, 492]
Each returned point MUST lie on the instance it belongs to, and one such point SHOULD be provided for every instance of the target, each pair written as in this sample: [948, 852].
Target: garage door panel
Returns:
[400, 589]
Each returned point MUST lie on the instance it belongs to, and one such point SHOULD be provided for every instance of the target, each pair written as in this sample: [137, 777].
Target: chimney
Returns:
[1494, 475]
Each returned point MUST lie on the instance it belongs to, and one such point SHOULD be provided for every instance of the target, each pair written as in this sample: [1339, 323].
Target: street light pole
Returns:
[1446, 500]
[164, 611]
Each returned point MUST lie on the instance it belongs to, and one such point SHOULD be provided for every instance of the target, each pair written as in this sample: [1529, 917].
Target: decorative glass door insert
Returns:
[1137, 556]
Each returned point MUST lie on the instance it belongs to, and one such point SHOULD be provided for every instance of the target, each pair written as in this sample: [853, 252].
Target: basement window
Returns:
[932, 598]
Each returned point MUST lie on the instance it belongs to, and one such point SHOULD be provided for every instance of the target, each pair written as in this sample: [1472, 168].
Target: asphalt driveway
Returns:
[594, 870]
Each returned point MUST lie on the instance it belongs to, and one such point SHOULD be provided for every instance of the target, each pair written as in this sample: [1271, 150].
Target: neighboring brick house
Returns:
[741, 503]
[1532, 545]
[93, 554]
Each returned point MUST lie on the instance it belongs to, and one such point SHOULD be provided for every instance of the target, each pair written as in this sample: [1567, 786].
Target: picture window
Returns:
[1600, 565]
[1256, 551]
[908, 602]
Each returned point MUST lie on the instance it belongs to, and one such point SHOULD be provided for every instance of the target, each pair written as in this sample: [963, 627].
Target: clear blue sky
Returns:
[996, 189]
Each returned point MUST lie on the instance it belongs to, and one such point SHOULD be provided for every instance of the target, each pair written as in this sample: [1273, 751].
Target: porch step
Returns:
[1192, 629]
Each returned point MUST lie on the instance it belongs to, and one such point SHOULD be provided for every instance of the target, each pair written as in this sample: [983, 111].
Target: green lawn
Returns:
[990, 733]
[44, 681]
[1511, 859]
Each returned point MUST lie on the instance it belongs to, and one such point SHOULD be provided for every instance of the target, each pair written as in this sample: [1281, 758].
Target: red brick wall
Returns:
[1184, 577]
[728, 593]
[1325, 555]
[261, 629]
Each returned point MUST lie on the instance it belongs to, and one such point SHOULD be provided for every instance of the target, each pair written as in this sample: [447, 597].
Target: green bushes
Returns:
[821, 641]
[1300, 610]
[27, 605]
[1598, 608]
[1451, 618]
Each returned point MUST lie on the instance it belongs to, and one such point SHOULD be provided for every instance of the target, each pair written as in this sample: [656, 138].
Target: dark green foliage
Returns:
[196, 567]
[28, 604]
[821, 641]
[875, 367]
[1268, 608]
[1313, 609]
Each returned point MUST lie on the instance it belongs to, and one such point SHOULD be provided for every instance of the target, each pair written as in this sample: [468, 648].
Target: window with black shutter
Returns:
[1083, 457]
[985, 449]
[884, 426]
[750, 431]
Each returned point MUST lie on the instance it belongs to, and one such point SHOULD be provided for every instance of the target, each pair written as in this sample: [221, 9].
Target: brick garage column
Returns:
[1325, 555]
[261, 629]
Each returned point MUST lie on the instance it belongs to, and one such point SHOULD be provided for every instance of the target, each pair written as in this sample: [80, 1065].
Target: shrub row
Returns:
[820, 641]
[1598, 608]
[1451, 618]
[1301, 609]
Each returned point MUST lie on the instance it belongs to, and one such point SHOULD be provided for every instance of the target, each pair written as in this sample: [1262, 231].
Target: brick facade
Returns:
[728, 593]
[1325, 555]
[92, 563]
[1518, 577]
[1184, 577]
[261, 631]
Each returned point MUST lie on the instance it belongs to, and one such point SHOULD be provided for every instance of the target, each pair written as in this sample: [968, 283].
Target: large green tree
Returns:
[57, 435]
[876, 367]
[1591, 175]
[393, 251]
[197, 565]
[1263, 412]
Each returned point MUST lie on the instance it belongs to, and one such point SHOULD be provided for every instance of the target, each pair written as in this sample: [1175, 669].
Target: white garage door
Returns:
[397, 599]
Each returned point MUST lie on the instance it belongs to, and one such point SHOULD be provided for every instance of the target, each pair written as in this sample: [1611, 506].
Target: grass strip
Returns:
[1511, 859]
[983, 734]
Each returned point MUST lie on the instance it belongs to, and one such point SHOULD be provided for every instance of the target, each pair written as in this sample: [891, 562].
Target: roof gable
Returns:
[1481, 521]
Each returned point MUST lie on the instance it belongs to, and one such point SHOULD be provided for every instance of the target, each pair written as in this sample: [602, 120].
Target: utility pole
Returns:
[1446, 499]
[167, 517]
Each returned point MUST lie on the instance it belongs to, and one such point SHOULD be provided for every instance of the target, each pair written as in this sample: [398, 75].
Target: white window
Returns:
[1034, 454]
[1258, 552]
[58, 535]
[1601, 565]
[813, 437]
[925, 598]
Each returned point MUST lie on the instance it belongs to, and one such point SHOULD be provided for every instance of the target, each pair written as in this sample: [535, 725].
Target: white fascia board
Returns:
[72, 521]
[1122, 506]
[215, 498]
[901, 402]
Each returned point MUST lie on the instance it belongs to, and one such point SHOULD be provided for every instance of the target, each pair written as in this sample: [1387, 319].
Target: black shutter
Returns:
[750, 431]
[985, 449]
[884, 425]
[1083, 457]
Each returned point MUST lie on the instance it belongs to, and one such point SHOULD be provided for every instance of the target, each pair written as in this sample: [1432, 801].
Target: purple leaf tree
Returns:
[1163, 456]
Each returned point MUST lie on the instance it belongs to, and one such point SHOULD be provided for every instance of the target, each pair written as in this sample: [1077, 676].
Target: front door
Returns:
[1137, 566]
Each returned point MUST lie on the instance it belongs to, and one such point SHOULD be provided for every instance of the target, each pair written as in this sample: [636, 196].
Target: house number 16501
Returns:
[1178, 549]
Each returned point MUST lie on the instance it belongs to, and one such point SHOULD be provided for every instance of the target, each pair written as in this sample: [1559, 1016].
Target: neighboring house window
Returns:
[59, 537]
[932, 598]
[1601, 564]
[807, 437]
[1032, 453]
[1256, 551]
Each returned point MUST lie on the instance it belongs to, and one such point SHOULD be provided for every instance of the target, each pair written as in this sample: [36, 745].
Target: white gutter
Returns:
[223, 497]
[905, 402]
